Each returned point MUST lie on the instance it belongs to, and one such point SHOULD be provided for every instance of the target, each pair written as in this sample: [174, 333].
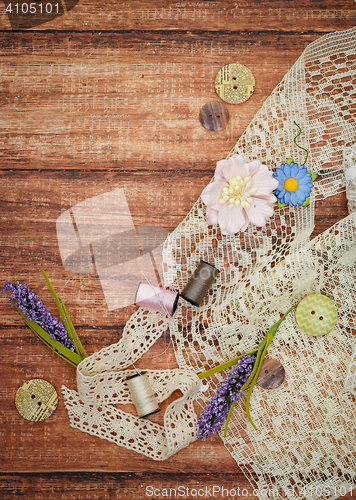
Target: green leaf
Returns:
[281, 205]
[72, 334]
[289, 161]
[273, 330]
[223, 366]
[50, 346]
[255, 377]
[52, 291]
[260, 350]
[314, 176]
[306, 202]
[71, 357]
[228, 417]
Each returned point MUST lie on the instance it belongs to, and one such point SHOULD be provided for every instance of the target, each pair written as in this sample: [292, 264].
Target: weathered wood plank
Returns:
[97, 110]
[321, 16]
[52, 445]
[108, 101]
[32, 202]
[100, 486]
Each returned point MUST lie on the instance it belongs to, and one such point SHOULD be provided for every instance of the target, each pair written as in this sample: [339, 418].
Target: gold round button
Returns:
[234, 83]
[36, 400]
[316, 315]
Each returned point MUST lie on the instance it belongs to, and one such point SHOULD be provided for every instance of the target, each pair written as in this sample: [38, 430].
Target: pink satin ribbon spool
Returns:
[157, 298]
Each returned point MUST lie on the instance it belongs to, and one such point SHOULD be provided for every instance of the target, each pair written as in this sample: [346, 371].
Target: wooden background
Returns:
[108, 95]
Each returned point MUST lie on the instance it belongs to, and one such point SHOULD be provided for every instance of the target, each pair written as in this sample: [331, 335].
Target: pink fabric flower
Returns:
[241, 193]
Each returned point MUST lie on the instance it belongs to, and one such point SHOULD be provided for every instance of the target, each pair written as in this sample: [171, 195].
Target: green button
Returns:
[316, 315]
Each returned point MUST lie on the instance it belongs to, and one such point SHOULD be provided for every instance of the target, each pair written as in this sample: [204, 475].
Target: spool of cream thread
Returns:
[142, 395]
[157, 298]
[199, 283]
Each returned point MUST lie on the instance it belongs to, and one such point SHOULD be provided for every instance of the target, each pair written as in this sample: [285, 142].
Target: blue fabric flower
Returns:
[295, 183]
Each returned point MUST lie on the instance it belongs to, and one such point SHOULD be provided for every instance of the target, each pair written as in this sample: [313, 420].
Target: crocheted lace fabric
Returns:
[305, 437]
[350, 382]
[101, 385]
[350, 178]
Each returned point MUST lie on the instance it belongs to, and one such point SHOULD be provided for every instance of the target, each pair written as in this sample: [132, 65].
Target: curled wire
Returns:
[295, 142]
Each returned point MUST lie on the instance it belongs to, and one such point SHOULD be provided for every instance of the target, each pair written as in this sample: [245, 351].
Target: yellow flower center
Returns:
[236, 193]
[291, 185]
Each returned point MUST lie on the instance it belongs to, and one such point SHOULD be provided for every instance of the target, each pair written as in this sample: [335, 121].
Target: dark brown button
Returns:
[214, 116]
[271, 374]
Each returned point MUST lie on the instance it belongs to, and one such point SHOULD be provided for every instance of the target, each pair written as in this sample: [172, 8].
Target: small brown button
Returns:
[214, 116]
[271, 374]
[234, 83]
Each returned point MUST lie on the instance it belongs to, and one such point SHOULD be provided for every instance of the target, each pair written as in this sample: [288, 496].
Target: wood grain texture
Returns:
[100, 486]
[105, 101]
[228, 15]
[108, 96]
[28, 241]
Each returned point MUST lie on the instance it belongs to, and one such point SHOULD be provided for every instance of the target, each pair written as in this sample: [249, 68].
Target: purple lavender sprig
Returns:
[35, 310]
[243, 376]
[217, 410]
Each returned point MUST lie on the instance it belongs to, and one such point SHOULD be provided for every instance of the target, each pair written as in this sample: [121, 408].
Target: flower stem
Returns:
[269, 339]
[262, 349]
[228, 417]
[223, 366]
[231, 362]
[71, 331]
[72, 357]
[273, 330]
[72, 334]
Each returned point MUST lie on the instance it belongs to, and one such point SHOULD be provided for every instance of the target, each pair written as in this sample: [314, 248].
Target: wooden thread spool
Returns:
[199, 283]
[142, 395]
